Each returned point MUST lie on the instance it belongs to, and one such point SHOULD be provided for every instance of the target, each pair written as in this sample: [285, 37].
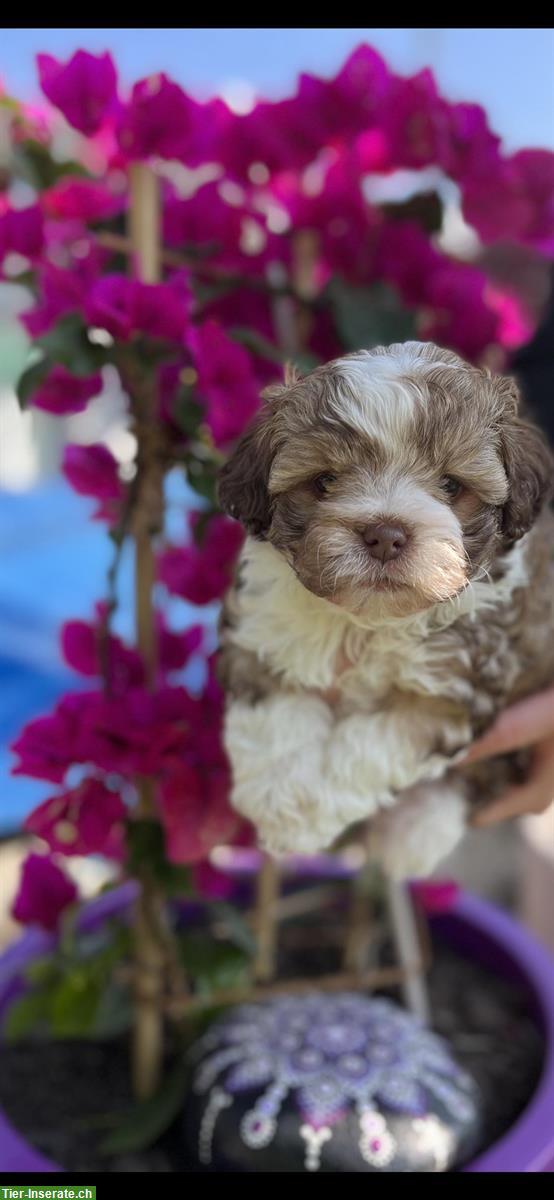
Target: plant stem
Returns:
[148, 1028]
[266, 919]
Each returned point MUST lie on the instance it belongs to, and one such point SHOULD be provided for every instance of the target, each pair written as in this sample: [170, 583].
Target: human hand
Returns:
[530, 722]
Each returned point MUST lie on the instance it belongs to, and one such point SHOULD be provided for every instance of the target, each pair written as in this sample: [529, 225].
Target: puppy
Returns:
[395, 592]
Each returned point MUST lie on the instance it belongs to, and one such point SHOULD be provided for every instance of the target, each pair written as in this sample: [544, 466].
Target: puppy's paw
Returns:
[410, 839]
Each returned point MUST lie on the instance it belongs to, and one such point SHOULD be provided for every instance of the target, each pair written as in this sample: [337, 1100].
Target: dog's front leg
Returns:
[386, 752]
[424, 827]
[277, 748]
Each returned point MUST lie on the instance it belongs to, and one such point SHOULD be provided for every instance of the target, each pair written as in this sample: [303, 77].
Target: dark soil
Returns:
[61, 1095]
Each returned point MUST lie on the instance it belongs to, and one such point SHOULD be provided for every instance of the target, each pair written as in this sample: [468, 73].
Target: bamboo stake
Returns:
[266, 919]
[408, 948]
[148, 1031]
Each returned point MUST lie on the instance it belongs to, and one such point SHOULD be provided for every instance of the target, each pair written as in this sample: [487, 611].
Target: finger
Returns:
[524, 724]
[518, 802]
[535, 796]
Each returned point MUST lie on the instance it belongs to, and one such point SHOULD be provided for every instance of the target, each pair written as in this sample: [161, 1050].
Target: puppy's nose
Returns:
[385, 542]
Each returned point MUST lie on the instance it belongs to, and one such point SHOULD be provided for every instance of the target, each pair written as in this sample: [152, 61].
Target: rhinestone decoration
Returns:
[332, 1054]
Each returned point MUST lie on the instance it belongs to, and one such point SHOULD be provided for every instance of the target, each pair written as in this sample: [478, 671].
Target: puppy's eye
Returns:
[322, 483]
[451, 486]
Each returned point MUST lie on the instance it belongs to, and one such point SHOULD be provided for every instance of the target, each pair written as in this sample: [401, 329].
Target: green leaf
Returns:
[258, 344]
[67, 344]
[114, 1014]
[35, 163]
[367, 317]
[26, 1014]
[240, 933]
[30, 381]
[425, 207]
[202, 476]
[147, 1121]
[187, 411]
[147, 850]
[213, 965]
[74, 1004]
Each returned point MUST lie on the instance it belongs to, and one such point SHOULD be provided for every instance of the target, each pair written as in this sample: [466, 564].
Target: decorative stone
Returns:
[327, 1082]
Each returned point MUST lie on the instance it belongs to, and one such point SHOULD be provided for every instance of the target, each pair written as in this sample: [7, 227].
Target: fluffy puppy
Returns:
[395, 592]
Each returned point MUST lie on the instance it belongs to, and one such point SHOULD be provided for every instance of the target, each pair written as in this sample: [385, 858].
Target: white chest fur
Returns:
[308, 641]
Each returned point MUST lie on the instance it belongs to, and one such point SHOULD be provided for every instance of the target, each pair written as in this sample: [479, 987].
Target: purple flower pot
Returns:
[474, 927]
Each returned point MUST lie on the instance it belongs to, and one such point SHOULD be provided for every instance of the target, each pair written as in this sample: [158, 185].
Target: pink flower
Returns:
[22, 232]
[514, 202]
[338, 109]
[144, 736]
[48, 745]
[416, 122]
[474, 149]
[210, 882]
[86, 820]
[205, 221]
[125, 306]
[405, 257]
[160, 119]
[82, 649]
[84, 89]
[92, 471]
[436, 896]
[82, 199]
[202, 573]
[346, 225]
[43, 894]
[195, 812]
[226, 382]
[462, 318]
[61, 392]
[63, 289]
[515, 327]
[175, 649]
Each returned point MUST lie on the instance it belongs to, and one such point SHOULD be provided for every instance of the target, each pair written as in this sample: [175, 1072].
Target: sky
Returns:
[509, 71]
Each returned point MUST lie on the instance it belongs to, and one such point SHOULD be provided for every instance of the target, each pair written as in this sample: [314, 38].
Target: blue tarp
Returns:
[53, 563]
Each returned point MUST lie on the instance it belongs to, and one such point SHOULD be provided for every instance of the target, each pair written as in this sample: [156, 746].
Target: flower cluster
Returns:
[283, 232]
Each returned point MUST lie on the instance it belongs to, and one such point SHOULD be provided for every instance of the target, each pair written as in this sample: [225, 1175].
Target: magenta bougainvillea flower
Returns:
[175, 649]
[462, 318]
[201, 573]
[86, 820]
[44, 892]
[93, 471]
[474, 148]
[206, 222]
[515, 202]
[61, 393]
[195, 812]
[126, 306]
[160, 119]
[47, 746]
[22, 232]
[62, 289]
[84, 648]
[211, 883]
[84, 88]
[226, 381]
[416, 122]
[82, 199]
[436, 895]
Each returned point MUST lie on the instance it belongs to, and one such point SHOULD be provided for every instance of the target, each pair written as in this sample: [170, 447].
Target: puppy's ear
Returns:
[529, 466]
[242, 486]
